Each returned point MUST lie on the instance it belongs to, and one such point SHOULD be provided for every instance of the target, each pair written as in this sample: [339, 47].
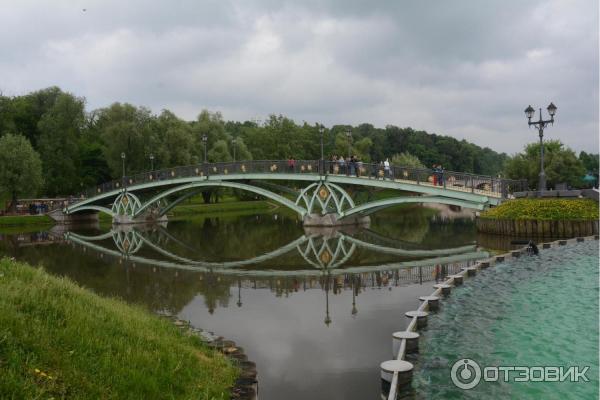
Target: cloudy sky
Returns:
[465, 68]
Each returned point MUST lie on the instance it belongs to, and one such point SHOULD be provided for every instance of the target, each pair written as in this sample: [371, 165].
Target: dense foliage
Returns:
[20, 167]
[560, 164]
[545, 209]
[80, 148]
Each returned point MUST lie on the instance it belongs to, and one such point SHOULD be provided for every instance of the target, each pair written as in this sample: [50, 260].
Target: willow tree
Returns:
[20, 168]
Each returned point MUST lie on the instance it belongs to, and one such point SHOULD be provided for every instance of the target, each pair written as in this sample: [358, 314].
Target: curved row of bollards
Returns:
[396, 374]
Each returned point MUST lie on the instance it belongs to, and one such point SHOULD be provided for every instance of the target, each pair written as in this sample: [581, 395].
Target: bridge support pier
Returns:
[71, 219]
[145, 218]
[333, 219]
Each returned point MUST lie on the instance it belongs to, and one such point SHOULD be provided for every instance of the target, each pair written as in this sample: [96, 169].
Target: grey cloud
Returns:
[463, 68]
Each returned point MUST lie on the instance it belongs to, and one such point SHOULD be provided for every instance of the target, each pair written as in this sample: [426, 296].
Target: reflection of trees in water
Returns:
[237, 238]
[165, 289]
[411, 225]
[422, 225]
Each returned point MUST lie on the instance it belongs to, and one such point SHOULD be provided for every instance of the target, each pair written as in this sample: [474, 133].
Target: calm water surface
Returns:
[314, 309]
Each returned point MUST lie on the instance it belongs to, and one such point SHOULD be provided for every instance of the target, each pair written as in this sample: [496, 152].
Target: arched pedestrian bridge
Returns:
[324, 198]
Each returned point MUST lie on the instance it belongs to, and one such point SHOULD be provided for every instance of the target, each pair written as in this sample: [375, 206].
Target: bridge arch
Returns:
[373, 206]
[235, 185]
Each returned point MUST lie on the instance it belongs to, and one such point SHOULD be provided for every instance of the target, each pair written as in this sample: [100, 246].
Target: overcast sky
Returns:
[464, 68]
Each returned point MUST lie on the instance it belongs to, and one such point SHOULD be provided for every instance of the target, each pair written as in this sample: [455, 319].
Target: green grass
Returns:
[21, 220]
[58, 340]
[545, 209]
[186, 210]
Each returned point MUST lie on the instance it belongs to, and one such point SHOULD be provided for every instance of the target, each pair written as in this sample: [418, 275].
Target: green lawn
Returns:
[186, 210]
[20, 220]
[545, 209]
[58, 340]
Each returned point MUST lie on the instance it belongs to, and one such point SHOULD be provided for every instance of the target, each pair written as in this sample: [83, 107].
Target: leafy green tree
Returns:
[27, 111]
[241, 150]
[219, 152]
[174, 142]
[560, 164]
[20, 168]
[407, 160]
[210, 124]
[127, 129]
[590, 162]
[60, 131]
[362, 149]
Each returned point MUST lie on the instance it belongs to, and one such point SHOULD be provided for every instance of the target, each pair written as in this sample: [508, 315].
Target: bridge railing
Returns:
[421, 176]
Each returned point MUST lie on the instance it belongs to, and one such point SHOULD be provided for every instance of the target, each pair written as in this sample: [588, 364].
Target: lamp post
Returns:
[123, 163]
[322, 131]
[204, 140]
[349, 136]
[541, 124]
[233, 143]
[151, 162]
[327, 316]
[354, 309]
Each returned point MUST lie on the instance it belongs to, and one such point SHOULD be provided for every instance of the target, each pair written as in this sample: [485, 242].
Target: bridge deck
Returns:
[471, 187]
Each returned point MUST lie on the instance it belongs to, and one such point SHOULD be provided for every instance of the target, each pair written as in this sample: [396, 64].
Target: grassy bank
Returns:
[25, 220]
[544, 210]
[58, 340]
[234, 207]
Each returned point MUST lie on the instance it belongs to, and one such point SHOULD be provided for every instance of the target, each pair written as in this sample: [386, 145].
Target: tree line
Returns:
[65, 148]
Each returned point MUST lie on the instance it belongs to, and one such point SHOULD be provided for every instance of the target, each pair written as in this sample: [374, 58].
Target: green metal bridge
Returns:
[323, 200]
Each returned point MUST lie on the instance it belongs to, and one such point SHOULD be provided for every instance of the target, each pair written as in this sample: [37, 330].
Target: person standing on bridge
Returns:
[291, 164]
[341, 164]
[434, 174]
[386, 168]
[440, 175]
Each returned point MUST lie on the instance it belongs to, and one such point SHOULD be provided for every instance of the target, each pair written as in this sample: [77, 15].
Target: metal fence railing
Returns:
[460, 181]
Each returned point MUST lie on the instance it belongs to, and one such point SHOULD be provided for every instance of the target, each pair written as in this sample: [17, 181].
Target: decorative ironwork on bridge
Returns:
[322, 195]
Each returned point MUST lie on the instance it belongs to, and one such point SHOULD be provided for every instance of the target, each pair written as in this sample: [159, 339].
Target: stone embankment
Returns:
[537, 228]
[246, 385]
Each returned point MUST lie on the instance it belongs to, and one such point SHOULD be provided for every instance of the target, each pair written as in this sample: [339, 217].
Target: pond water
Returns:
[315, 309]
[533, 311]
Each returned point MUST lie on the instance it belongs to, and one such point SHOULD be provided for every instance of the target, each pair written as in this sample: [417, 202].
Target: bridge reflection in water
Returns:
[328, 254]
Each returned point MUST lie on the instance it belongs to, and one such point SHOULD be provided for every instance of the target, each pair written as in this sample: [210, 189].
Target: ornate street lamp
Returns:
[541, 124]
[349, 137]
[233, 142]
[204, 140]
[151, 162]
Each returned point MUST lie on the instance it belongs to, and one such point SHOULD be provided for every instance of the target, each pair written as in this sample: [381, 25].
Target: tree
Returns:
[590, 162]
[60, 131]
[219, 152]
[209, 124]
[241, 150]
[407, 160]
[175, 142]
[127, 129]
[560, 164]
[20, 168]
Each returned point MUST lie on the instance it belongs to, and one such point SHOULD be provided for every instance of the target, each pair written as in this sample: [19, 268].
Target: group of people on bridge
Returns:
[438, 175]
